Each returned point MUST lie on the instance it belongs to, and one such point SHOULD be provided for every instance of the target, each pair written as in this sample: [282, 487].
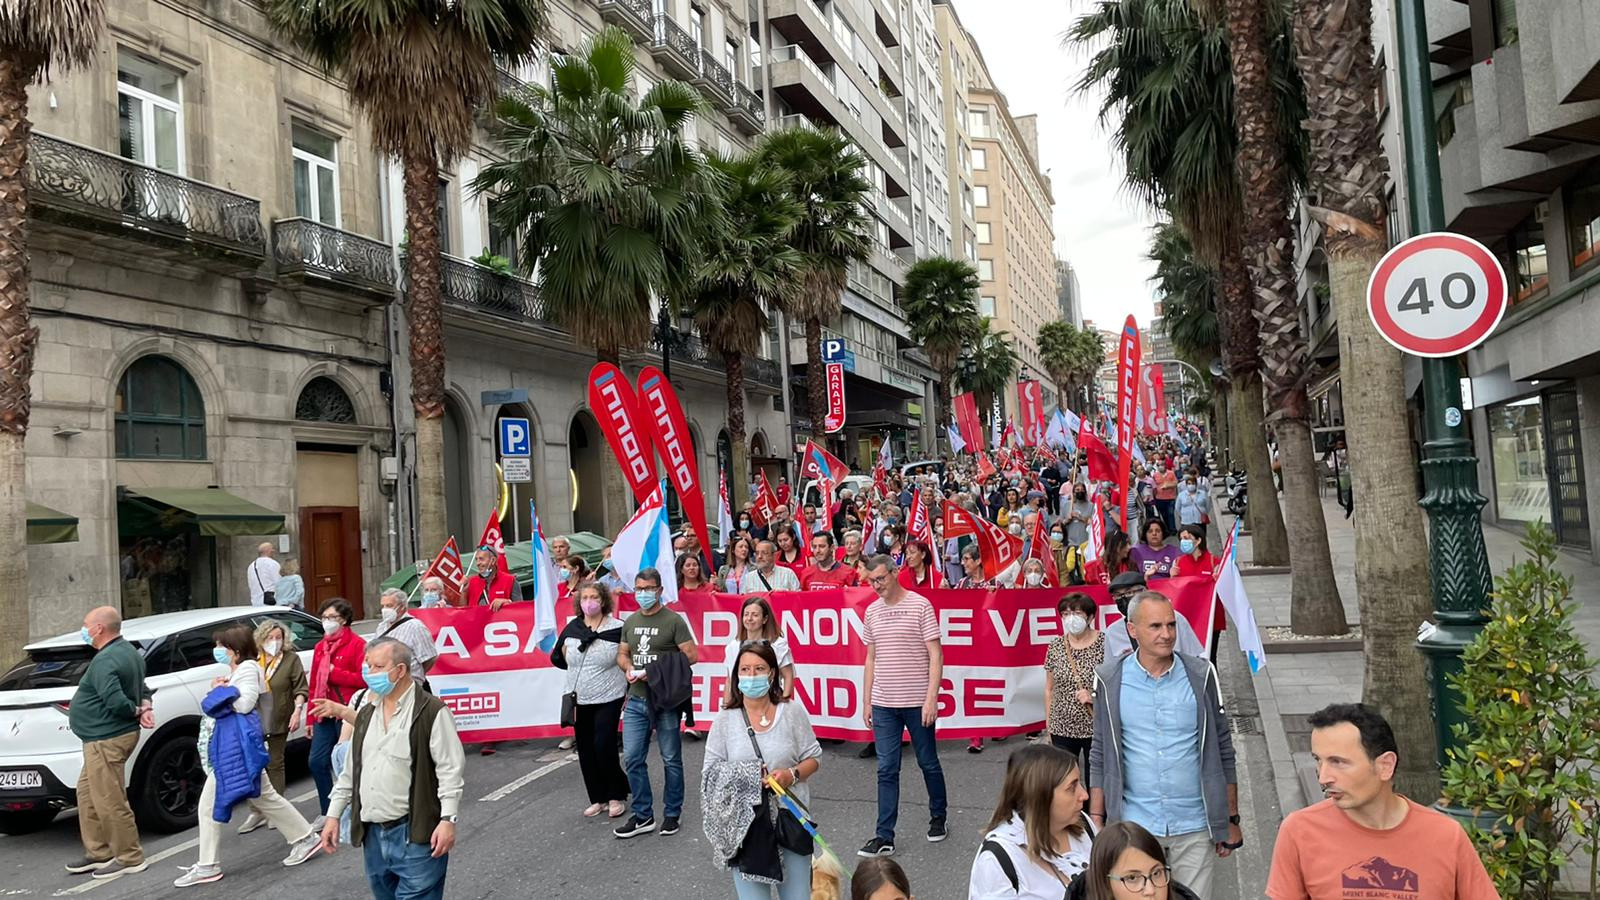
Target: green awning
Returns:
[213, 511]
[50, 526]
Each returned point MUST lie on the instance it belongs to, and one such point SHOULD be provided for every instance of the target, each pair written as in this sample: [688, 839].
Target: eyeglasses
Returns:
[1158, 877]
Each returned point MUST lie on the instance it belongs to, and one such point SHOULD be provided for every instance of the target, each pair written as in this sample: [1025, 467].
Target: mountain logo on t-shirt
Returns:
[1379, 879]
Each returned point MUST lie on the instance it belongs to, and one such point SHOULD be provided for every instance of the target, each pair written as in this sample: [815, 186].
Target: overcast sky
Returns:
[1099, 227]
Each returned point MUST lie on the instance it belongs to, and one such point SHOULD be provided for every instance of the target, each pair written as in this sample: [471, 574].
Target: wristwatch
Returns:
[1233, 819]
[452, 819]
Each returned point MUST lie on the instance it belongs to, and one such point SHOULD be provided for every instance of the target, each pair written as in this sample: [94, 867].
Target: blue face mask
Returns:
[84, 633]
[754, 685]
[220, 655]
[1186, 546]
[378, 682]
[647, 599]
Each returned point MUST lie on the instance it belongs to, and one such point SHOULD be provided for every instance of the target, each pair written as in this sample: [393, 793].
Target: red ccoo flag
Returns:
[966, 412]
[1128, 351]
[958, 522]
[1097, 456]
[766, 503]
[1000, 550]
[1039, 548]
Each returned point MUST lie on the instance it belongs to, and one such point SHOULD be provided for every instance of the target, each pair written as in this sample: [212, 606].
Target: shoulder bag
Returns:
[792, 835]
[569, 700]
[268, 598]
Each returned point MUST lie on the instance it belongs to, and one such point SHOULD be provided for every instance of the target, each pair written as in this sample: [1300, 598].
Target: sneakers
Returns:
[252, 822]
[567, 743]
[876, 847]
[615, 809]
[84, 864]
[669, 825]
[113, 868]
[936, 831]
[198, 874]
[870, 751]
[634, 827]
[593, 810]
[975, 745]
[303, 849]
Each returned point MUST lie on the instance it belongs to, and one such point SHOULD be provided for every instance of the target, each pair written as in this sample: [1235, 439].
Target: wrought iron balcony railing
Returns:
[674, 47]
[90, 185]
[687, 347]
[312, 248]
[747, 112]
[715, 80]
[467, 285]
[632, 15]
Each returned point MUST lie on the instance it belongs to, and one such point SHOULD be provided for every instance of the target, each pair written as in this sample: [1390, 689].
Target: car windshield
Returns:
[52, 668]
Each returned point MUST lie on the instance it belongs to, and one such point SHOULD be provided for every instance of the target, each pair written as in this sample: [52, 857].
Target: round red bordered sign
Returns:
[1437, 294]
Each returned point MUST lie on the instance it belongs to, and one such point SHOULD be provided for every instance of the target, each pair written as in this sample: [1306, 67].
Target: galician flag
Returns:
[544, 585]
[724, 515]
[1230, 590]
[646, 542]
[956, 443]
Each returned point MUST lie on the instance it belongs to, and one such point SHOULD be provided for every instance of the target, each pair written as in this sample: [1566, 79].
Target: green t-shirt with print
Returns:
[649, 636]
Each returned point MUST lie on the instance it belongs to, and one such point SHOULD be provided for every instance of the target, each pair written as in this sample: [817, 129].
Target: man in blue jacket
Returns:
[1162, 756]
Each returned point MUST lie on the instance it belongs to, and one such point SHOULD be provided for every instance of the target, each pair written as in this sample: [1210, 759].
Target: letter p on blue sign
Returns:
[516, 439]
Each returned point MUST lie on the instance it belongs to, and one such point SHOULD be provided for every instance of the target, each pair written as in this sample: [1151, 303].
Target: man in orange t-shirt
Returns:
[1365, 841]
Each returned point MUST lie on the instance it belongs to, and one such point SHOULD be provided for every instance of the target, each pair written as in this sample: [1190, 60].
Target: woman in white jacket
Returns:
[1038, 838]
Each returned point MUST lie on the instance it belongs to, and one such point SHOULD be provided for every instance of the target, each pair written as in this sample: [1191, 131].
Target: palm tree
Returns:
[987, 368]
[1188, 292]
[1058, 352]
[1168, 95]
[824, 168]
[1392, 579]
[34, 36]
[748, 268]
[419, 71]
[940, 302]
[1265, 175]
[1089, 351]
[610, 197]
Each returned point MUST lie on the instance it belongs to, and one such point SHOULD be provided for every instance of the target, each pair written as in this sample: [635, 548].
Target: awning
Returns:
[213, 511]
[50, 526]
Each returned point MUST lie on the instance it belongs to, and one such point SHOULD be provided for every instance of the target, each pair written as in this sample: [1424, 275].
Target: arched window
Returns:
[323, 400]
[159, 412]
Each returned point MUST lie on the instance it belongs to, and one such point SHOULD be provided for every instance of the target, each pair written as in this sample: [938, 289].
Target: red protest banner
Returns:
[967, 422]
[766, 502]
[1127, 409]
[447, 568]
[616, 409]
[958, 522]
[999, 549]
[1030, 406]
[670, 432]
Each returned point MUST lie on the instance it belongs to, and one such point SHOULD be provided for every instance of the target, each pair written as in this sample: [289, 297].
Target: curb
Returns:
[1284, 777]
[1330, 645]
[1247, 571]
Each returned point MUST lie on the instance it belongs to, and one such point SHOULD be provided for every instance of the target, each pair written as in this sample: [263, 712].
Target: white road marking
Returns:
[528, 779]
[190, 844]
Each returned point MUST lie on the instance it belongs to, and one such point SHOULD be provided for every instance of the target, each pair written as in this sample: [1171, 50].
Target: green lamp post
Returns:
[1458, 560]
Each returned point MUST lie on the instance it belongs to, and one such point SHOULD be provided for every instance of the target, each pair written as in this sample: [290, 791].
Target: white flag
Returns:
[1230, 590]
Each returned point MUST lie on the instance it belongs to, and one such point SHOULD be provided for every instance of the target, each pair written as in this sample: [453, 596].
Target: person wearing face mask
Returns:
[1193, 507]
[335, 676]
[587, 649]
[1069, 664]
[1033, 573]
[230, 773]
[1069, 558]
[1197, 560]
[1078, 514]
[648, 637]
[284, 695]
[489, 585]
[571, 571]
[432, 592]
[398, 623]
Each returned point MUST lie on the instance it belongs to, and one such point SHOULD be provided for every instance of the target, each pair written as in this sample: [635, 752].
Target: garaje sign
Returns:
[835, 418]
[1438, 294]
[500, 686]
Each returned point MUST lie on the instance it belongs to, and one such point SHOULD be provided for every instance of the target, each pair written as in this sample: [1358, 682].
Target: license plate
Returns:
[18, 781]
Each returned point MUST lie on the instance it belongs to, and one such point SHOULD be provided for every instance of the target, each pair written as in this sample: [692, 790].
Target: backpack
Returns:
[1003, 857]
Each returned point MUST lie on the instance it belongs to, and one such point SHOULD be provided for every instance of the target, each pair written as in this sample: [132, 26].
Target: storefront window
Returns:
[1521, 485]
[163, 569]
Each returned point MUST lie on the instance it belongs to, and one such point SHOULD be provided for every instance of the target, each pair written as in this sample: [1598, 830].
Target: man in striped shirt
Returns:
[904, 665]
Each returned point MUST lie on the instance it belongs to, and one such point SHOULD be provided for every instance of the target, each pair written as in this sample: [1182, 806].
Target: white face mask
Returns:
[272, 647]
[1034, 579]
[1075, 624]
[389, 613]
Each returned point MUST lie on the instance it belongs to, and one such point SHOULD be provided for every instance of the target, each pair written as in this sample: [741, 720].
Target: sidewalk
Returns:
[1300, 678]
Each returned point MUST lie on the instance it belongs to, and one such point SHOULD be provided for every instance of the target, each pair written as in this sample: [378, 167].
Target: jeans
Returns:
[1164, 509]
[324, 734]
[796, 881]
[400, 870]
[596, 739]
[887, 723]
[637, 723]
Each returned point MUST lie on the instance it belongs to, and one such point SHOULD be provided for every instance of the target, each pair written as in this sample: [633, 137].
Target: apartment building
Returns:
[861, 66]
[999, 193]
[1069, 294]
[221, 358]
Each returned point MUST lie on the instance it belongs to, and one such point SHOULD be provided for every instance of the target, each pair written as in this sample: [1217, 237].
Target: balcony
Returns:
[674, 48]
[715, 81]
[469, 286]
[311, 251]
[687, 347]
[747, 112]
[632, 16]
[83, 187]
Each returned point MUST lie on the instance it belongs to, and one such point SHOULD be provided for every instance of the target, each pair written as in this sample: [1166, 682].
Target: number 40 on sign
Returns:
[1437, 294]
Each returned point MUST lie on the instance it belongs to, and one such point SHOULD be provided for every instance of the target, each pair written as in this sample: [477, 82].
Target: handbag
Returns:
[792, 835]
[268, 598]
[569, 709]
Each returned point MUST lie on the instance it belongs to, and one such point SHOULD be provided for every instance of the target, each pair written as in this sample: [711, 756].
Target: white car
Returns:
[860, 484]
[40, 757]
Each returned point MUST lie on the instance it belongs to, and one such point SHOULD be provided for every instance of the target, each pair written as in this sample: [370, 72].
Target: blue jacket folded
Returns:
[237, 752]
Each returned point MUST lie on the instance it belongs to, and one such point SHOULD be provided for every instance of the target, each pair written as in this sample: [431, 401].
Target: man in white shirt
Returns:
[767, 576]
[262, 575]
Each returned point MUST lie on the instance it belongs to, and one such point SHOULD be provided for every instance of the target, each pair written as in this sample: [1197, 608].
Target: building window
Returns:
[1583, 217]
[323, 400]
[159, 413]
[149, 113]
[730, 58]
[1505, 23]
[983, 233]
[697, 26]
[986, 306]
[1529, 269]
[442, 213]
[980, 195]
[502, 243]
[978, 122]
[980, 158]
[1516, 440]
[316, 175]
[985, 270]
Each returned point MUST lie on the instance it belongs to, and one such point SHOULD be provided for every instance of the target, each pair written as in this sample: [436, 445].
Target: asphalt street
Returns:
[522, 832]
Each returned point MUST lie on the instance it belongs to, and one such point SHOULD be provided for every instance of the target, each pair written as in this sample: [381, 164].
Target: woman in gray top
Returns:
[757, 714]
[1078, 514]
[587, 649]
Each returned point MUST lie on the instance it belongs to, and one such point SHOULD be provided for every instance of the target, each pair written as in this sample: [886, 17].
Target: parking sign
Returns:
[516, 439]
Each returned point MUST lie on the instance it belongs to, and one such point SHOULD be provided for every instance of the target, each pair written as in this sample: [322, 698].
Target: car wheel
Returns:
[25, 821]
[169, 793]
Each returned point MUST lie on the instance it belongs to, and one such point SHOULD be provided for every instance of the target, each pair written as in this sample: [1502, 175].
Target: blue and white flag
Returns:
[1138, 452]
[1230, 590]
[545, 586]
[646, 542]
[956, 443]
[1060, 432]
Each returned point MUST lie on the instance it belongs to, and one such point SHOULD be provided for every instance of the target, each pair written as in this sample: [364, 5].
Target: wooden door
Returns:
[330, 542]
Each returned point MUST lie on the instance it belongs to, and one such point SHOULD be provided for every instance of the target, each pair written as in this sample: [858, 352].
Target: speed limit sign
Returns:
[1437, 294]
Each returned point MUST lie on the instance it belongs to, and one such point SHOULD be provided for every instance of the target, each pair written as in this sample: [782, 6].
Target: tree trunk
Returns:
[946, 417]
[1221, 434]
[739, 457]
[816, 378]
[426, 321]
[1241, 354]
[1314, 604]
[17, 340]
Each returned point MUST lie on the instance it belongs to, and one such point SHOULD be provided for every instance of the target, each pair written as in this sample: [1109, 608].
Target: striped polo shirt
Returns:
[899, 635]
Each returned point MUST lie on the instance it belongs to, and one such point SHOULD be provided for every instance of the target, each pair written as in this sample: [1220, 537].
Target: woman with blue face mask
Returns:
[1195, 559]
[759, 736]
